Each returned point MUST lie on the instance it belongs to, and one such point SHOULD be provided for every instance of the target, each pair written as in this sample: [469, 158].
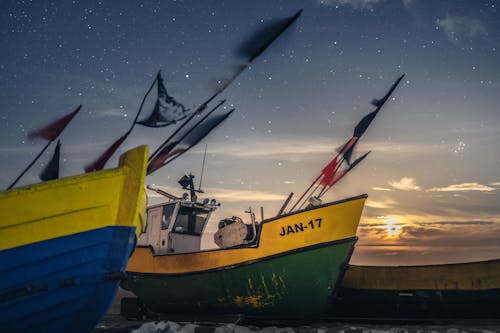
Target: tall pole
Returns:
[143, 101]
[202, 167]
[30, 165]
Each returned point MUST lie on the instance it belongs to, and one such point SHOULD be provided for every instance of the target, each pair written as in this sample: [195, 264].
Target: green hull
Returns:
[298, 283]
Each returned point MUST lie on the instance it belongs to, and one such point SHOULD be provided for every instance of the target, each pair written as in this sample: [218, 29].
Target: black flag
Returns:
[51, 171]
[167, 110]
[178, 147]
[265, 36]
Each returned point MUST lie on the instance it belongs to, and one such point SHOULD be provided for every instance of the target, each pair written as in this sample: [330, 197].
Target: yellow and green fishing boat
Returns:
[64, 245]
[288, 265]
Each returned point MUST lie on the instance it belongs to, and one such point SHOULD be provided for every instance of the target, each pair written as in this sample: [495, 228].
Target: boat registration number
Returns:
[300, 227]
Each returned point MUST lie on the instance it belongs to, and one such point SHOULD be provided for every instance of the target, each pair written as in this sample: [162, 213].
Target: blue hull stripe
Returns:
[64, 284]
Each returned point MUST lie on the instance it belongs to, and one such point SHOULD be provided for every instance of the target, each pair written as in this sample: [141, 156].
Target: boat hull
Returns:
[297, 283]
[64, 246]
[64, 284]
[464, 290]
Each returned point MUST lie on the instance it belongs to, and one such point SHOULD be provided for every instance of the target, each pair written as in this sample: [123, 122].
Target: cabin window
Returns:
[190, 221]
[168, 211]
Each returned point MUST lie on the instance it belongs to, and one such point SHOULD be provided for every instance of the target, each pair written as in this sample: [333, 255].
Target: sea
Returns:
[118, 324]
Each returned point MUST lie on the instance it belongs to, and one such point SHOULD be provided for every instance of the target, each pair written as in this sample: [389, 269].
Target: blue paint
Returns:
[61, 285]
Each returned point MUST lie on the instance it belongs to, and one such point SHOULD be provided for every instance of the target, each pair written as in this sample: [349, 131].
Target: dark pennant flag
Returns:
[177, 147]
[167, 110]
[51, 170]
[99, 163]
[265, 36]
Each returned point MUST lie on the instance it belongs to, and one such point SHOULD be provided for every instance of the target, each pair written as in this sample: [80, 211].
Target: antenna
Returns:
[202, 168]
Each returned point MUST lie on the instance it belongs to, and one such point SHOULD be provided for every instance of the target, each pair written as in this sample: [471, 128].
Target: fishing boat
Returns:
[286, 266]
[64, 245]
[462, 290]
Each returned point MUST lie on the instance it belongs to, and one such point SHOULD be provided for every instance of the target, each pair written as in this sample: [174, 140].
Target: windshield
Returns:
[190, 221]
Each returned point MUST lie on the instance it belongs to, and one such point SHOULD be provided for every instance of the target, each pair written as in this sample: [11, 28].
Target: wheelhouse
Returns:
[176, 226]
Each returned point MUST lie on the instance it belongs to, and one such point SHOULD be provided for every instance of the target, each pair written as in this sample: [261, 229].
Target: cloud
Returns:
[226, 195]
[459, 223]
[465, 187]
[455, 27]
[356, 4]
[494, 184]
[300, 149]
[405, 184]
[381, 189]
[387, 203]
[286, 148]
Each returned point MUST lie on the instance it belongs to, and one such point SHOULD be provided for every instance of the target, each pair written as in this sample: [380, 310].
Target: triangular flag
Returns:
[167, 110]
[51, 170]
[177, 148]
[265, 36]
[54, 129]
[99, 163]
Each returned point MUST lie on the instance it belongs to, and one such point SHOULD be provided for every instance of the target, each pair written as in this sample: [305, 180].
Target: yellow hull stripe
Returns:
[324, 224]
[75, 204]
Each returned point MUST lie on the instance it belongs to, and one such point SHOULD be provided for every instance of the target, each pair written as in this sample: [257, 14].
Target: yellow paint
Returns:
[76, 204]
[250, 285]
[339, 221]
[481, 275]
[255, 301]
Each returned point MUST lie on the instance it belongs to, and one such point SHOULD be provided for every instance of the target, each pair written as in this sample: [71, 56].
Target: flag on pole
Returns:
[380, 102]
[50, 133]
[365, 122]
[328, 172]
[167, 110]
[99, 163]
[51, 170]
[341, 174]
[180, 133]
[177, 147]
[344, 172]
[348, 148]
[265, 36]
[54, 129]
[358, 160]
[251, 48]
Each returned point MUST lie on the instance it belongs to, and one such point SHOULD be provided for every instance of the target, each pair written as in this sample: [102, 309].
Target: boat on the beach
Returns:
[288, 265]
[64, 245]
[461, 290]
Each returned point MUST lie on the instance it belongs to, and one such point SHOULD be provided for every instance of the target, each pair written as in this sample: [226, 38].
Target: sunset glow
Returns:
[392, 228]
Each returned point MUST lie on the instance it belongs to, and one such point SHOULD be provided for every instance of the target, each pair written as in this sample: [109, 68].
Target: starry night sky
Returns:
[432, 178]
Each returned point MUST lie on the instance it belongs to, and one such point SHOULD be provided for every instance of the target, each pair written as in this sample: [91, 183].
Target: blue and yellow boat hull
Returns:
[64, 246]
